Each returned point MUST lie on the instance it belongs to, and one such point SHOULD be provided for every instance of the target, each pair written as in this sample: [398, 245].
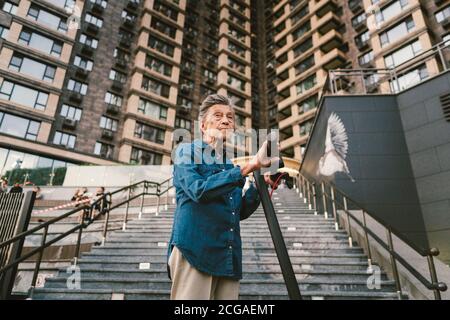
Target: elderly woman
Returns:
[205, 250]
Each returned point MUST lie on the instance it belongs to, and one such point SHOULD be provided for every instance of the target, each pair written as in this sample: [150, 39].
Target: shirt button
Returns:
[231, 229]
[231, 198]
[231, 247]
[233, 213]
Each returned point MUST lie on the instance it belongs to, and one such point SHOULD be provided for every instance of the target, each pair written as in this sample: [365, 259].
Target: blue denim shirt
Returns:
[209, 208]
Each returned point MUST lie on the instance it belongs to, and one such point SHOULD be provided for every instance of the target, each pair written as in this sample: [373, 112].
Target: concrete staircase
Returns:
[132, 264]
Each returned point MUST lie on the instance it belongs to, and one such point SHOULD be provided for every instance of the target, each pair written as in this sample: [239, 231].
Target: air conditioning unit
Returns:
[70, 123]
[112, 108]
[185, 88]
[108, 134]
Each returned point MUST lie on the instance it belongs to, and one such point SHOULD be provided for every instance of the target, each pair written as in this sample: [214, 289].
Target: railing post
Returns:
[39, 260]
[158, 200]
[324, 201]
[304, 190]
[366, 235]
[144, 190]
[125, 218]
[308, 185]
[77, 250]
[166, 207]
[314, 198]
[349, 226]
[105, 226]
[296, 184]
[433, 274]
[300, 181]
[394, 264]
[333, 206]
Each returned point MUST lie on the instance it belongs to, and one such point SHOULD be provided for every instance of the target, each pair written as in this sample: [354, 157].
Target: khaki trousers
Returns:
[190, 284]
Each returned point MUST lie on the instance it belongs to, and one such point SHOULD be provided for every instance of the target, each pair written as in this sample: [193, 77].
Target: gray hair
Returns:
[212, 100]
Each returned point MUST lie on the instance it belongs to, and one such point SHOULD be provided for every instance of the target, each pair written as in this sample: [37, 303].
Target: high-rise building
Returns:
[105, 82]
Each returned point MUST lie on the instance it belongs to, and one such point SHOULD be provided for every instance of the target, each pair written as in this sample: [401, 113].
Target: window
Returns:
[10, 7]
[23, 95]
[443, 14]
[362, 39]
[93, 20]
[83, 63]
[237, 20]
[209, 74]
[158, 66]
[304, 65]
[303, 12]
[89, 41]
[306, 84]
[236, 49]
[397, 32]
[237, 100]
[40, 42]
[70, 112]
[49, 19]
[77, 86]
[409, 79]
[144, 157]
[163, 27]
[32, 68]
[390, 11]
[186, 103]
[308, 104]
[152, 109]
[3, 32]
[104, 150]
[300, 31]
[365, 58]
[359, 19]
[149, 133]
[111, 98]
[182, 123]
[240, 120]
[117, 76]
[64, 139]
[236, 34]
[161, 46]
[66, 4]
[403, 54]
[155, 87]
[236, 65]
[236, 83]
[237, 6]
[303, 47]
[18, 126]
[108, 123]
[306, 127]
[165, 10]
[102, 3]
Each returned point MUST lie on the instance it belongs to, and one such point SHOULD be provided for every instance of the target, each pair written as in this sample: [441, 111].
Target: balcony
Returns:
[334, 59]
[330, 41]
[328, 22]
[108, 134]
[70, 123]
[125, 42]
[80, 73]
[327, 6]
[185, 89]
[117, 85]
[362, 44]
[212, 63]
[91, 29]
[359, 25]
[210, 81]
[87, 50]
[121, 63]
[355, 5]
[75, 97]
[97, 7]
[128, 22]
[132, 5]
[112, 109]
[184, 109]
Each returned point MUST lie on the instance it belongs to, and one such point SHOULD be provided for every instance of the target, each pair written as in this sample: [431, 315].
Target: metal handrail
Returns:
[106, 207]
[306, 187]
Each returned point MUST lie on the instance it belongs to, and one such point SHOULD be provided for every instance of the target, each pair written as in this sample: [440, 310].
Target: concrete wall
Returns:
[427, 136]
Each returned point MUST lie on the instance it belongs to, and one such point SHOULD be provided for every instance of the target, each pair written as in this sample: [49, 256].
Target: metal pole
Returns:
[394, 264]
[77, 250]
[277, 237]
[144, 190]
[366, 234]
[333, 206]
[125, 218]
[166, 207]
[350, 240]
[324, 201]
[314, 198]
[304, 189]
[105, 227]
[433, 274]
[158, 201]
[39, 260]
[309, 194]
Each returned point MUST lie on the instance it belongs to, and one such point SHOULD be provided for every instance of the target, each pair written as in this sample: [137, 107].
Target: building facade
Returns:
[107, 82]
